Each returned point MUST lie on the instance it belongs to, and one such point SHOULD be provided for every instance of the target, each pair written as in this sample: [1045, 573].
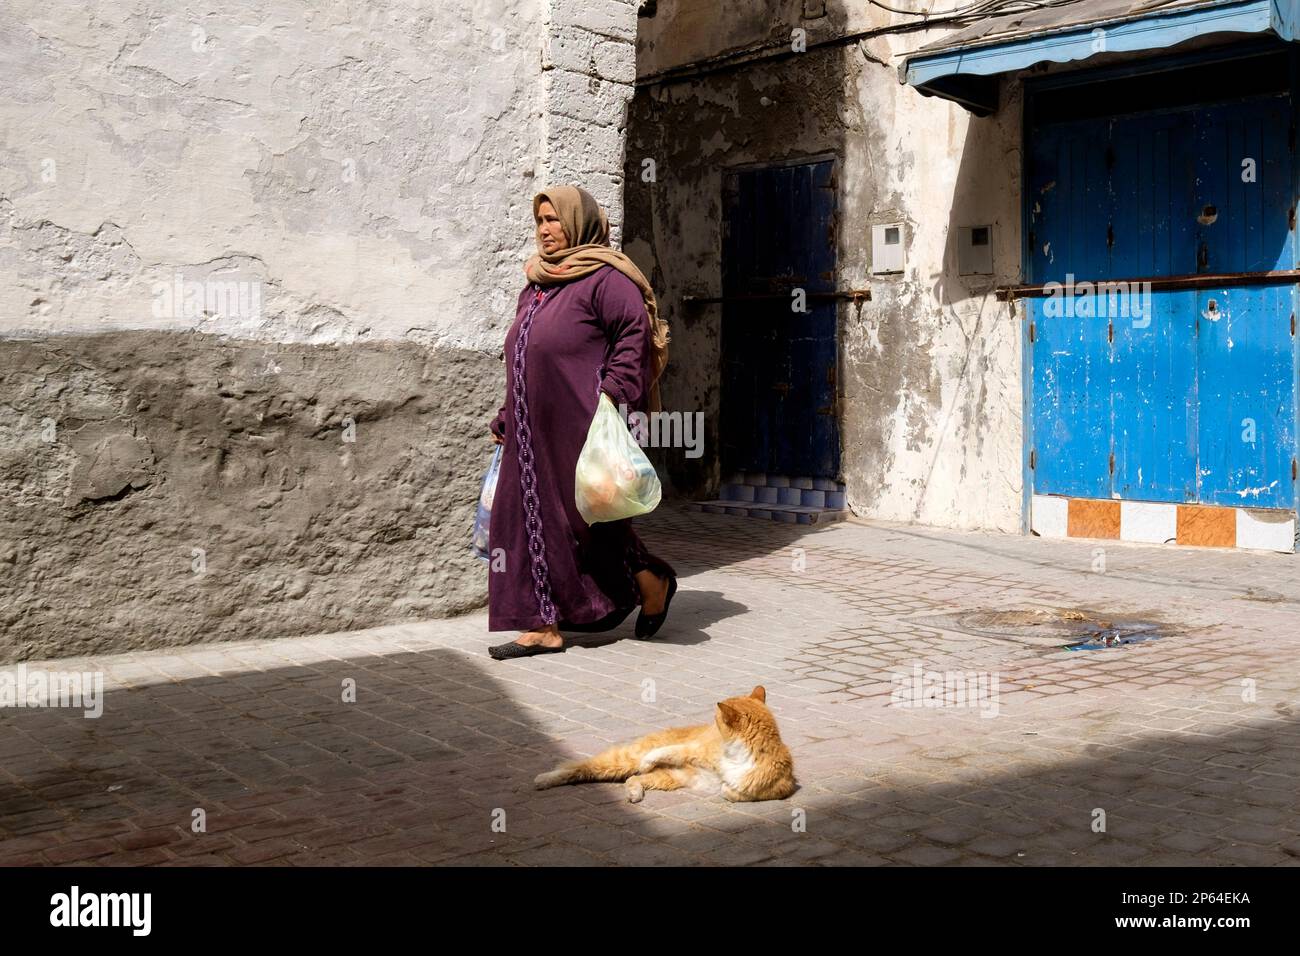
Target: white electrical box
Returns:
[887, 248]
[974, 250]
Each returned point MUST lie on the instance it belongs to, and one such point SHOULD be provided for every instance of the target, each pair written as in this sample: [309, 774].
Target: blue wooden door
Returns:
[778, 401]
[1246, 343]
[1070, 204]
[1164, 395]
[1153, 341]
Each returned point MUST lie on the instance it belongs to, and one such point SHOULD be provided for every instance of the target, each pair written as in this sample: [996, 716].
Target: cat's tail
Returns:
[614, 765]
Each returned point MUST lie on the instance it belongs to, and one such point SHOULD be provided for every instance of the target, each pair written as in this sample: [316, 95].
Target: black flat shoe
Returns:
[647, 625]
[505, 652]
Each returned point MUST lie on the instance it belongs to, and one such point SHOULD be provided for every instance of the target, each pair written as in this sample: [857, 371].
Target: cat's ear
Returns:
[728, 713]
[759, 694]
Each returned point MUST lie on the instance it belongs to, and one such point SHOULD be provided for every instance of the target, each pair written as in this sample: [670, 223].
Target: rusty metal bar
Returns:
[1160, 283]
[853, 295]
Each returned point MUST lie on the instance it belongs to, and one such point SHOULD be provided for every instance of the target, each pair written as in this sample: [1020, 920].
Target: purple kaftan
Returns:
[580, 338]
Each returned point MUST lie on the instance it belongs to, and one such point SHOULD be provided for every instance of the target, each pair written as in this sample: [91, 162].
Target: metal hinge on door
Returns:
[1033, 458]
[1111, 466]
[1110, 331]
[1293, 469]
[1031, 333]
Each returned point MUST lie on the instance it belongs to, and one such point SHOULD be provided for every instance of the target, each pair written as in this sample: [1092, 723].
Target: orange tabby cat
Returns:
[740, 754]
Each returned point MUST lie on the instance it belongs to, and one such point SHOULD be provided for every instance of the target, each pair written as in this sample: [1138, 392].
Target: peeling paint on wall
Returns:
[931, 388]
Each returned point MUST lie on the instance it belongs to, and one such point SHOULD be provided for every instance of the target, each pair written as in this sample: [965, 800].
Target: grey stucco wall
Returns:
[340, 195]
[165, 488]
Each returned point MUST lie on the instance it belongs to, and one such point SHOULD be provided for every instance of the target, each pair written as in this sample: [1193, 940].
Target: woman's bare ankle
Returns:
[546, 636]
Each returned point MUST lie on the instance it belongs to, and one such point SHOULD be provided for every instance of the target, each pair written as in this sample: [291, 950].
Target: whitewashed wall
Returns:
[231, 235]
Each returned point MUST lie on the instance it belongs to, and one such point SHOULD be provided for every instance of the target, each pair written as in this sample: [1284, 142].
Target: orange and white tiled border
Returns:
[1149, 522]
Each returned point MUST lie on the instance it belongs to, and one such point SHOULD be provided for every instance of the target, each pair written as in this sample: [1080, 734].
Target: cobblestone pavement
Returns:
[1187, 743]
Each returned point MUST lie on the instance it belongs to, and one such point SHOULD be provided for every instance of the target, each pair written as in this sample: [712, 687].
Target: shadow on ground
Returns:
[434, 763]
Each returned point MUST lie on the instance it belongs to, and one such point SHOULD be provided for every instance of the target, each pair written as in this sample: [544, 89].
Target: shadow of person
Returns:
[692, 613]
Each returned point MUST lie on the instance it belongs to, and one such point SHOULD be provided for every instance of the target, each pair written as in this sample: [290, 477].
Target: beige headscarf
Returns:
[587, 229]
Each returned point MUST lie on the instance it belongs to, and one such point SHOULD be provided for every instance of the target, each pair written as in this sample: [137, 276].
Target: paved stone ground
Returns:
[1166, 737]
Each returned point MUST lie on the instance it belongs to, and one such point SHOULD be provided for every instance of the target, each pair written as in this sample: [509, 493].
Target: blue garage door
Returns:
[1176, 394]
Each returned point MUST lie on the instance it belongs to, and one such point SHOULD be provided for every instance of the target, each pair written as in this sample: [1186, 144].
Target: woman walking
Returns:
[585, 324]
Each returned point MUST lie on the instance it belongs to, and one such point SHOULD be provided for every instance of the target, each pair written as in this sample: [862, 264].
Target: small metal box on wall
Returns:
[887, 248]
[974, 250]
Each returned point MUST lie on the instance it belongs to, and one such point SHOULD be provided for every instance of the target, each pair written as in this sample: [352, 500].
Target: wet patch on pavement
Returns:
[1052, 628]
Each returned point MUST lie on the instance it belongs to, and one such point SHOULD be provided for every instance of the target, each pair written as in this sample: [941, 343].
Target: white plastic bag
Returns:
[614, 479]
[483, 513]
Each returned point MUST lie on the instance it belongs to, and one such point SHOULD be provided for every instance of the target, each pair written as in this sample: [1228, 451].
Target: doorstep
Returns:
[779, 498]
[1153, 522]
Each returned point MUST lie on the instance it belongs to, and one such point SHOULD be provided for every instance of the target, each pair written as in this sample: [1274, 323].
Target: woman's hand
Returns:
[496, 439]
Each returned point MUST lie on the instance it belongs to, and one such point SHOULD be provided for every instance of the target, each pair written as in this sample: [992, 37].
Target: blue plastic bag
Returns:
[483, 513]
